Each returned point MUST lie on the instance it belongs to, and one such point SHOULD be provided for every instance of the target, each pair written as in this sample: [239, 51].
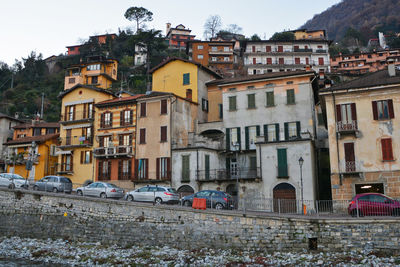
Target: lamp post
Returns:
[236, 171]
[301, 161]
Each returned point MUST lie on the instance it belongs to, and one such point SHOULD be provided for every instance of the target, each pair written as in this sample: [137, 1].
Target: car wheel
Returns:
[187, 203]
[36, 188]
[396, 212]
[11, 186]
[103, 195]
[55, 190]
[219, 206]
[158, 201]
[130, 198]
[79, 193]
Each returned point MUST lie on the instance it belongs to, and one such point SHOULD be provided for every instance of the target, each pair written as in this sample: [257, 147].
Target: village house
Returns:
[7, 124]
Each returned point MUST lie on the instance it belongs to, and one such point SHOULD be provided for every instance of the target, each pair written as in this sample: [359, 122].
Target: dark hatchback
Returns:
[214, 199]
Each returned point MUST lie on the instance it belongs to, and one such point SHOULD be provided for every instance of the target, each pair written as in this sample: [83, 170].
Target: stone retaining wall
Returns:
[47, 215]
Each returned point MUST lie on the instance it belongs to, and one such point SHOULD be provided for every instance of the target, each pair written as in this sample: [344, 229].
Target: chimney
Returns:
[168, 28]
[391, 68]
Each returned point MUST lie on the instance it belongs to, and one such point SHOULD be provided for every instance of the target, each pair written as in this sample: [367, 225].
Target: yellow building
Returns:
[364, 137]
[185, 79]
[78, 117]
[36, 142]
[303, 34]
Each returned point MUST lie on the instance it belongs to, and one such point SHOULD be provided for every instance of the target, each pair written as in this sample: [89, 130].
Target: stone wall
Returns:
[47, 215]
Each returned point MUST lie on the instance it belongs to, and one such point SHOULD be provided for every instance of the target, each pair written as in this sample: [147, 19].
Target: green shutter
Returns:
[258, 130]
[221, 112]
[186, 78]
[228, 139]
[298, 129]
[251, 101]
[227, 165]
[238, 135]
[290, 96]
[286, 131]
[207, 166]
[185, 168]
[253, 163]
[266, 133]
[232, 103]
[277, 131]
[282, 163]
[246, 133]
[270, 99]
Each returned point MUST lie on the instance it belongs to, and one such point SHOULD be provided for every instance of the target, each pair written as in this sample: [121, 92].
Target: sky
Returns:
[48, 26]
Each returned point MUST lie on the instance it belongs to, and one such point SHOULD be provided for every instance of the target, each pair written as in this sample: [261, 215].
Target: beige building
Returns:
[364, 137]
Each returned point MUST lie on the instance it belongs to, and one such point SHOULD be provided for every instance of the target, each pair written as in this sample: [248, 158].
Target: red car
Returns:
[373, 204]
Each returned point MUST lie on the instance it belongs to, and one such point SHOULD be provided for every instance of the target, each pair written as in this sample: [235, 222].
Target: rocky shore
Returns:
[64, 253]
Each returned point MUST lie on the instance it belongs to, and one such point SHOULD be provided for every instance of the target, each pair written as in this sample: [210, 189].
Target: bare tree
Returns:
[212, 26]
[234, 28]
[139, 15]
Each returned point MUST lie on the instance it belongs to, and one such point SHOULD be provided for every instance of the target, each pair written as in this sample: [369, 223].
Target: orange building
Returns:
[101, 39]
[364, 62]
[178, 37]
[116, 135]
[217, 55]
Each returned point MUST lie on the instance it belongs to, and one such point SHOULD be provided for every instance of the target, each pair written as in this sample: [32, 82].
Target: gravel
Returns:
[65, 253]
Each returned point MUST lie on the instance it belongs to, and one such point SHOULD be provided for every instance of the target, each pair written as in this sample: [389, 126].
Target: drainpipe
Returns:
[197, 165]
[336, 137]
[170, 136]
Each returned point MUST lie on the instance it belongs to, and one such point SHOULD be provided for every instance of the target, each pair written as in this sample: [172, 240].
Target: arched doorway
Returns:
[284, 195]
[232, 190]
[185, 190]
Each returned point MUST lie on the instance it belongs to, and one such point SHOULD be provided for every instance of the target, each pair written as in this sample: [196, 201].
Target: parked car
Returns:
[101, 189]
[54, 184]
[12, 180]
[157, 194]
[373, 204]
[214, 199]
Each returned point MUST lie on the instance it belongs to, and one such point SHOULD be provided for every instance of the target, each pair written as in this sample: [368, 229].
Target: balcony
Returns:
[303, 50]
[323, 51]
[76, 117]
[347, 128]
[75, 141]
[196, 141]
[220, 52]
[113, 152]
[351, 168]
[64, 168]
[220, 61]
[151, 177]
[228, 175]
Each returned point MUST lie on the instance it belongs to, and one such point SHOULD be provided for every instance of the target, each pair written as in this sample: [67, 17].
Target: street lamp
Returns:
[236, 171]
[301, 161]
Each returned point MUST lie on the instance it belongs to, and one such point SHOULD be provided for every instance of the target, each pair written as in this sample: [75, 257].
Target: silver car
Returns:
[101, 189]
[12, 180]
[156, 194]
[53, 184]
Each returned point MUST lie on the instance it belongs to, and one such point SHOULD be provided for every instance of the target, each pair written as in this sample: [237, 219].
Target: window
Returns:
[320, 119]
[220, 111]
[383, 109]
[214, 48]
[268, 48]
[269, 61]
[86, 157]
[271, 132]
[226, 58]
[214, 59]
[106, 120]
[69, 113]
[163, 134]
[186, 168]
[86, 134]
[142, 168]
[251, 134]
[93, 67]
[142, 137]
[189, 94]
[253, 165]
[163, 168]
[290, 97]
[66, 163]
[270, 99]
[281, 61]
[37, 131]
[349, 157]
[387, 152]
[186, 78]
[292, 130]
[226, 48]
[105, 141]
[143, 109]
[280, 48]
[204, 104]
[251, 101]
[126, 117]
[233, 139]
[125, 139]
[282, 163]
[346, 117]
[320, 61]
[200, 47]
[200, 57]
[232, 103]
[95, 79]
[163, 105]
[87, 111]
[124, 169]
[71, 80]
[296, 60]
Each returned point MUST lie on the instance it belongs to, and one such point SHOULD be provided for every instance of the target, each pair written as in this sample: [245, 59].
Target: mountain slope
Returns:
[369, 16]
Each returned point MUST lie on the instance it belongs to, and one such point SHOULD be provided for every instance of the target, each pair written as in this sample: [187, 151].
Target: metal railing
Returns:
[346, 126]
[113, 151]
[224, 174]
[77, 141]
[350, 166]
[76, 116]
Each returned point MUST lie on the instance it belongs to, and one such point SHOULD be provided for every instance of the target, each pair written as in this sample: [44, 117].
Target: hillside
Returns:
[366, 16]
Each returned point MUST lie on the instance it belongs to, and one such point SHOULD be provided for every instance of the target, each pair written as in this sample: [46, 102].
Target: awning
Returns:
[63, 152]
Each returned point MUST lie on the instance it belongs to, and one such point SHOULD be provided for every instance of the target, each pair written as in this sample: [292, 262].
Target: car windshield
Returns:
[65, 180]
[171, 190]
[16, 176]
[112, 185]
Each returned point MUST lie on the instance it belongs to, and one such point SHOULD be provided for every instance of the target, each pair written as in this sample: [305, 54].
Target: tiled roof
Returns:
[119, 99]
[2, 115]
[165, 62]
[30, 139]
[38, 125]
[378, 78]
[256, 77]
[63, 93]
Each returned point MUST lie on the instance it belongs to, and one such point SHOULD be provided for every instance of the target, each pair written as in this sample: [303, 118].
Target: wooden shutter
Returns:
[121, 118]
[90, 156]
[246, 134]
[121, 139]
[307, 60]
[296, 47]
[253, 49]
[158, 168]
[169, 168]
[129, 169]
[254, 61]
[143, 109]
[338, 113]
[109, 169]
[82, 157]
[286, 131]
[251, 101]
[130, 139]
[163, 133]
[238, 135]
[164, 106]
[280, 48]
[228, 139]
[102, 120]
[349, 152]
[136, 169]
[142, 138]
[84, 111]
[258, 130]
[269, 60]
[391, 111]
[130, 117]
[298, 129]
[100, 170]
[387, 151]
[66, 113]
[111, 120]
[73, 112]
[296, 60]
[120, 169]
[277, 131]
[101, 141]
[268, 48]
[375, 110]
[266, 132]
[321, 61]
[353, 112]
[282, 163]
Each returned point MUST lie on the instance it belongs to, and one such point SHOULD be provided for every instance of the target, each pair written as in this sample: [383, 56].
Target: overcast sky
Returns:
[47, 26]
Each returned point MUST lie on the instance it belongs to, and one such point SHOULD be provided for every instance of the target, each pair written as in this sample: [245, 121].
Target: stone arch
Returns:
[284, 195]
[185, 190]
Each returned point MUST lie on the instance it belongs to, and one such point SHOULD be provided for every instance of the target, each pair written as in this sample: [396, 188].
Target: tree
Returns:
[212, 26]
[283, 36]
[255, 37]
[234, 28]
[139, 15]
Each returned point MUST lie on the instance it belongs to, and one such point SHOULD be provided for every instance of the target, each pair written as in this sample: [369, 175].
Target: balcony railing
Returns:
[71, 117]
[320, 51]
[149, 177]
[227, 174]
[346, 126]
[308, 50]
[113, 151]
[64, 168]
[77, 141]
[350, 167]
